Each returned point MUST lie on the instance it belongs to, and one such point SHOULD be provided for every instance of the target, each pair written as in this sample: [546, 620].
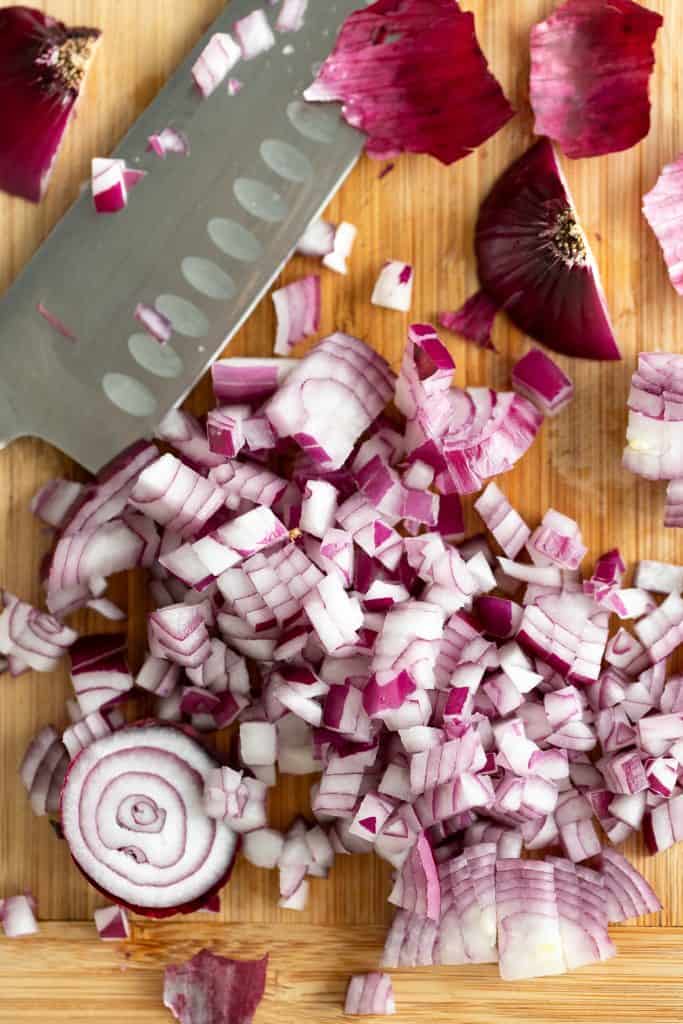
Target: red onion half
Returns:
[591, 62]
[411, 75]
[42, 67]
[133, 816]
[535, 263]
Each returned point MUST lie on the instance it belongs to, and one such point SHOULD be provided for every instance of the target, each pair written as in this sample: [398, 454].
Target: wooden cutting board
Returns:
[423, 213]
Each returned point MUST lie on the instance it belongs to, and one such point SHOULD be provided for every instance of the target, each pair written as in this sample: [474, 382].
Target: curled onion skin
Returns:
[146, 781]
[534, 260]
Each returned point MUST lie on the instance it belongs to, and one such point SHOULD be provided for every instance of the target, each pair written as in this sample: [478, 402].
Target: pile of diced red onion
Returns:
[462, 701]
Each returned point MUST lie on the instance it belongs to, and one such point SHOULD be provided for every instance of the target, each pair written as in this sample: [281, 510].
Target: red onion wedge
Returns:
[150, 847]
[370, 994]
[542, 381]
[297, 308]
[155, 323]
[383, 50]
[534, 260]
[331, 397]
[394, 286]
[43, 65]
[112, 924]
[211, 989]
[17, 915]
[218, 57]
[169, 140]
[111, 182]
[291, 16]
[590, 68]
[473, 321]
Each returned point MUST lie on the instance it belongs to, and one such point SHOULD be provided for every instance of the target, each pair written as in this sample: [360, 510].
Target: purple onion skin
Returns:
[159, 913]
[535, 266]
[39, 85]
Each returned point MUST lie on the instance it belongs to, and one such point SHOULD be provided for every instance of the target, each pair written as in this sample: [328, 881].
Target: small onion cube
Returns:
[217, 58]
[342, 247]
[394, 286]
[254, 34]
[317, 239]
[112, 924]
[297, 308]
[17, 914]
[537, 377]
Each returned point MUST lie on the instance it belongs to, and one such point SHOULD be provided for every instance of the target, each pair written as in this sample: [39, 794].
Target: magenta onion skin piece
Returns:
[155, 743]
[42, 67]
[211, 989]
[383, 50]
[535, 262]
[591, 62]
[474, 320]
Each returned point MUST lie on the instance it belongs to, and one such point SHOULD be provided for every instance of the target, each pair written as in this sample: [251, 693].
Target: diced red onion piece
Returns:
[673, 515]
[169, 140]
[187, 435]
[394, 286]
[234, 86]
[218, 57]
[297, 308]
[342, 247]
[175, 496]
[42, 770]
[214, 988]
[254, 34]
[506, 525]
[655, 420]
[291, 16]
[112, 924]
[17, 914]
[238, 380]
[317, 239]
[540, 379]
[370, 994]
[155, 323]
[99, 670]
[36, 639]
[55, 500]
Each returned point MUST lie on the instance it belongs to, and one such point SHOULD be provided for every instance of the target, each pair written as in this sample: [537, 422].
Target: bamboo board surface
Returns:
[422, 213]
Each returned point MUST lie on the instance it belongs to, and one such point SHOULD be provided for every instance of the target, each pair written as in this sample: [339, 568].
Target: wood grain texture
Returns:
[66, 975]
[423, 213]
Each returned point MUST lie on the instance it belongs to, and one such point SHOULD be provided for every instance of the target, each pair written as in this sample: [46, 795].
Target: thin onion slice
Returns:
[149, 847]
